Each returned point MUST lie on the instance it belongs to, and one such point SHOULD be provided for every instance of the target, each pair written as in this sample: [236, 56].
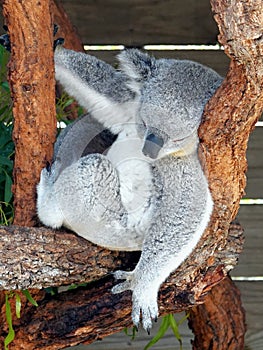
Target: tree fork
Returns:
[238, 102]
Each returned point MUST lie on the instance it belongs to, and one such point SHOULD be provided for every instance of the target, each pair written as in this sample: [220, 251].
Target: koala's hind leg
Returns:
[88, 195]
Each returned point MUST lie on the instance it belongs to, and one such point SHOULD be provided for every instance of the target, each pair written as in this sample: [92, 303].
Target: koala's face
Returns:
[170, 108]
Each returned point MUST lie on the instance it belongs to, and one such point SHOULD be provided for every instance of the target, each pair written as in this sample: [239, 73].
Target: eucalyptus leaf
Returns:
[161, 332]
[18, 305]
[174, 327]
[8, 186]
[29, 297]
[5, 86]
[11, 333]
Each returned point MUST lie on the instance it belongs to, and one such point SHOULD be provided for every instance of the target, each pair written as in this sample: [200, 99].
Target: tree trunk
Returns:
[32, 83]
[219, 323]
[31, 77]
[88, 313]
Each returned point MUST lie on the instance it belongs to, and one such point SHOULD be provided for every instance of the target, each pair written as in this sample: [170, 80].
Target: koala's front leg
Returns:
[96, 85]
[167, 244]
[144, 281]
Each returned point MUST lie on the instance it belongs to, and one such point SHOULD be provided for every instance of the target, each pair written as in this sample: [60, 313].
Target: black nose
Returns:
[152, 145]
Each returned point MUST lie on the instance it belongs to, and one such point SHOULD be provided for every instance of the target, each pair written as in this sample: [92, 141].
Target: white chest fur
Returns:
[135, 175]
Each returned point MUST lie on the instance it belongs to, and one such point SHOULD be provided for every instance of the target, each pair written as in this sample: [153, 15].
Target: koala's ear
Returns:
[139, 66]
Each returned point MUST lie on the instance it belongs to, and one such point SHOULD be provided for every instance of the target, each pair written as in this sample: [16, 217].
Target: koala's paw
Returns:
[144, 305]
[144, 298]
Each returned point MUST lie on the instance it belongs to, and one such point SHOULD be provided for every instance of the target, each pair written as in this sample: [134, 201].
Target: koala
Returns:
[158, 105]
[146, 190]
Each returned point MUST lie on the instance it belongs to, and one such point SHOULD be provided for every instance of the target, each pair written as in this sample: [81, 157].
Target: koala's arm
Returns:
[96, 85]
[184, 214]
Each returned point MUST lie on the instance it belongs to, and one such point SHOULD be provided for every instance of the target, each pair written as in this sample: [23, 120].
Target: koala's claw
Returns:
[5, 39]
[58, 42]
[122, 287]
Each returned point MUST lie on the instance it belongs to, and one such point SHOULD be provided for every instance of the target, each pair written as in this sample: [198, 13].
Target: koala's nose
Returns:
[152, 145]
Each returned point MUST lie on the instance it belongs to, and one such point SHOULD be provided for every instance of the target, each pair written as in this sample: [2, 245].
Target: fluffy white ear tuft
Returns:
[139, 66]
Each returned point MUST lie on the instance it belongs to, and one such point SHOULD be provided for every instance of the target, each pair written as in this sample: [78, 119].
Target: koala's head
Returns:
[172, 95]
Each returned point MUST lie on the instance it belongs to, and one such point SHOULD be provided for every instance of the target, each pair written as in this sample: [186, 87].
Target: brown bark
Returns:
[66, 29]
[91, 313]
[32, 83]
[31, 77]
[229, 117]
[219, 323]
[40, 257]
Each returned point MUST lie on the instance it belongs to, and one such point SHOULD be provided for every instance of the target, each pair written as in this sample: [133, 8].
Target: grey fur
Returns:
[169, 195]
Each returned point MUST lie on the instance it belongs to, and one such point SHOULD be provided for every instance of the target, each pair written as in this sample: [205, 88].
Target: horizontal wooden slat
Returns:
[251, 217]
[251, 259]
[252, 298]
[251, 294]
[139, 22]
[254, 188]
[212, 58]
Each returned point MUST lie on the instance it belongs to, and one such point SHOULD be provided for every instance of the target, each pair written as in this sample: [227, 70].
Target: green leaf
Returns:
[174, 326]
[68, 102]
[183, 318]
[11, 333]
[161, 332]
[8, 186]
[18, 305]
[51, 290]
[132, 335]
[75, 286]
[5, 86]
[6, 161]
[29, 297]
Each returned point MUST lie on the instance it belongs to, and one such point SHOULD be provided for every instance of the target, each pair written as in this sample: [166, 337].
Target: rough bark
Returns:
[219, 323]
[40, 257]
[87, 314]
[32, 83]
[31, 77]
[66, 29]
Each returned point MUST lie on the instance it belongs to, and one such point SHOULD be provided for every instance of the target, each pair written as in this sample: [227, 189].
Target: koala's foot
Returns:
[144, 297]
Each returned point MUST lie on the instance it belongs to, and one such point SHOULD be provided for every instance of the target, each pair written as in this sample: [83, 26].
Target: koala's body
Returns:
[148, 191]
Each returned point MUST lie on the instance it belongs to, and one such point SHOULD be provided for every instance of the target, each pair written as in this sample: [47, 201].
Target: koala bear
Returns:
[154, 108]
[146, 190]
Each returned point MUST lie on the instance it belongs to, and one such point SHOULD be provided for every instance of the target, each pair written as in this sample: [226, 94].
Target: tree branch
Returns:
[40, 258]
[90, 313]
